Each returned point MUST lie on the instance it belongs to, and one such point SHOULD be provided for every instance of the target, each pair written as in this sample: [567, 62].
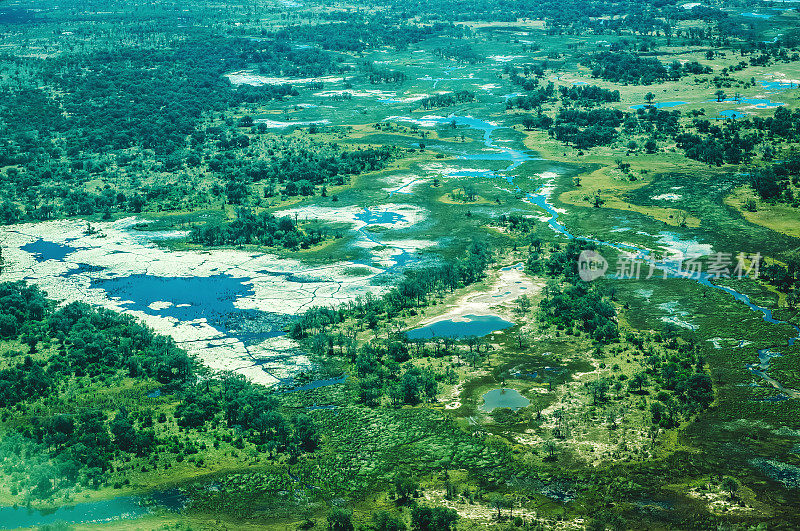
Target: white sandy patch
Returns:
[505, 58]
[507, 286]
[277, 124]
[410, 245]
[357, 93]
[245, 77]
[667, 197]
[402, 183]
[674, 245]
[430, 120]
[280, 286]
[411, 215]
[782, 78]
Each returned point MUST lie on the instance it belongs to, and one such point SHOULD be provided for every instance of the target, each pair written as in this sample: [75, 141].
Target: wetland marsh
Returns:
[323, 266]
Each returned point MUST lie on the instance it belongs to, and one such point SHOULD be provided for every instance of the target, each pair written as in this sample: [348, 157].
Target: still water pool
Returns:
[472, 325]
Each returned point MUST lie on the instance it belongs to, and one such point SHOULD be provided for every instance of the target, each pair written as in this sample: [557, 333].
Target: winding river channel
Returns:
[492, 151]
[542, 198]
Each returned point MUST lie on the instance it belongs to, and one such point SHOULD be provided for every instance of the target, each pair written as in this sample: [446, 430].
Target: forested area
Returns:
[358, 33]
[577, 302]
[108, 114]
[447, 99]
[413, 290]
[262, 229]
[65, 357]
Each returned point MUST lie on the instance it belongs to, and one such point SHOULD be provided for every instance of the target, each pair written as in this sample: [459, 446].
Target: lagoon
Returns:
[472, 325]
[500, 398]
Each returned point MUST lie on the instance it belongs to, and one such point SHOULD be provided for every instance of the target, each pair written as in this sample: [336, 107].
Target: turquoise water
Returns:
[119, 508]
[318, 383]
[778, 85]
[760, 103]
[756, 15]
[732, 114]
[43, 251]
[192, 298]
[474, 325]
[371, 217]
[499, 398]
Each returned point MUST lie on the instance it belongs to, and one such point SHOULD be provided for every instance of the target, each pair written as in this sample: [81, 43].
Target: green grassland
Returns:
[592, 448]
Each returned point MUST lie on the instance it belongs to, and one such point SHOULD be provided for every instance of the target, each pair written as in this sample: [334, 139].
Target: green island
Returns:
[378, 265]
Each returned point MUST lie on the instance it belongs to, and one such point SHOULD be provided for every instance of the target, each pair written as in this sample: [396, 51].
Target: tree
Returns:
[598, 389]
[405, 489]
[720, 94]
[638, 381]
[730, 485]
[499, 502]
[524, 304]
[369, 390]
[433, 518]
[528, 122]
[649, 98]
[383, 521]
[551, 448]
[340, 520]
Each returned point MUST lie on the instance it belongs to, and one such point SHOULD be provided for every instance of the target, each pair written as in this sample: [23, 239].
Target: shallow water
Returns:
[760, 103]
[191, 298]
[43, 250]
[500, 398]
[473, 325]
[733, 114]
[773, 86]
[317, 384]
[371, 217]
[119, 508]
[756, 15]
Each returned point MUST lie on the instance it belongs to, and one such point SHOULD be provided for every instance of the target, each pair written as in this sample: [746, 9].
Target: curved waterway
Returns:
[541, 198]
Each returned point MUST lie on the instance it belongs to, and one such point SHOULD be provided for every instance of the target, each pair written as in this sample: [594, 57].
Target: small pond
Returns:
[499, 398]
[371, 217]
[757, 15]
[43, 251]
[732, 114]
[778, 85]
[472, 325]
[318, 383]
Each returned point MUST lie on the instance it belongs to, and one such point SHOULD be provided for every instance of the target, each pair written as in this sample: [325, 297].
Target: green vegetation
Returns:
[255, 127]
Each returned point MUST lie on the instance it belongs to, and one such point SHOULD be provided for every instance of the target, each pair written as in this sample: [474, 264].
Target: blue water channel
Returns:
[541, 199]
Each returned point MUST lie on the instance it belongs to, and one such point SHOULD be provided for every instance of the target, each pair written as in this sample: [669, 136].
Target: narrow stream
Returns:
[541, 198]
